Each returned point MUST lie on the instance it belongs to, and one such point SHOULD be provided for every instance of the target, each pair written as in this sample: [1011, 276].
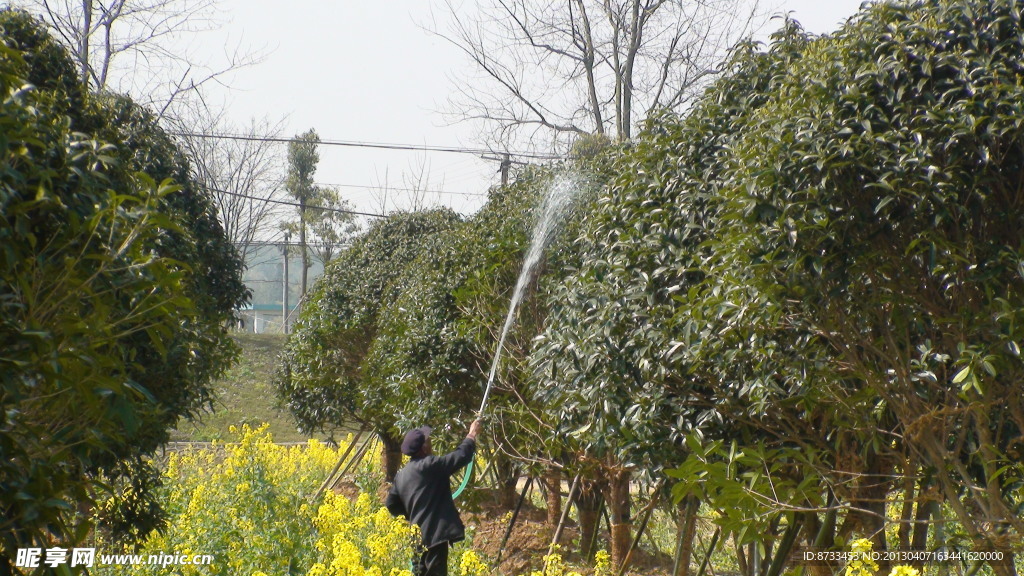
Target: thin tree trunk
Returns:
[589, 506]
[302, 243]
[553, 487]
[688, 509]
[907, 513]
[588, 65]
[390, 455]
[83, 46]
[619, 507]
[505, 471]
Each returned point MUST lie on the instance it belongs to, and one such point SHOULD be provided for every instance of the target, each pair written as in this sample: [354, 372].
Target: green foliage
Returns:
[116, 288]
[822, 257]
[323, 380]
[420, 366]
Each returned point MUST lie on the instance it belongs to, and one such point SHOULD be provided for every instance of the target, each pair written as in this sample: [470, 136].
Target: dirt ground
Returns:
[531, 536]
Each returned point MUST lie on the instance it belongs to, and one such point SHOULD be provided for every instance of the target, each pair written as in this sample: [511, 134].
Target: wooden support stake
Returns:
[512, 523]
[565, 514]
[358, 458]
[655, 496]
[710, 550]
[597, 527]
[331, 477]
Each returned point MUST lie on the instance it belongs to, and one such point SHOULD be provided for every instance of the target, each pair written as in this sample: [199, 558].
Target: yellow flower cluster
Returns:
[361, 539]
[861, 563]
[244, 502]
[555, 565]
[472, 565]
[602, 563]
[904, 571]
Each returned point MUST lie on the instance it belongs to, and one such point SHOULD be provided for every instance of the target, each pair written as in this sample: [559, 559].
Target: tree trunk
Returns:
[688, 509]
[820, 534]
[553, 487]
[83, 46]
[588, 504]
[619, 507]
[907, 512]
[741, 560]
[390, 456]
[505, 472]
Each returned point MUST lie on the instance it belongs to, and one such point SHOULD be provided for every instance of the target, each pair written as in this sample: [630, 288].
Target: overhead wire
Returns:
[308, 206]
[376, 145]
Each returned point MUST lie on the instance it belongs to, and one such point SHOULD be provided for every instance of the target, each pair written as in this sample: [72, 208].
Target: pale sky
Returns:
[367, 72]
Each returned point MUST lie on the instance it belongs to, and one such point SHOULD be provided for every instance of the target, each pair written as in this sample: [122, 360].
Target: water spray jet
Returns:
[559, 197]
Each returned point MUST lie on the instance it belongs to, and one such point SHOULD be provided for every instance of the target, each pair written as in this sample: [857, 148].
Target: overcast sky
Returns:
[368, 72]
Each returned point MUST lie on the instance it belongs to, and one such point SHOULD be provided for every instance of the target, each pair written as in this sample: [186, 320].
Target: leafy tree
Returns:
[323, 379]
[117, 287]
[332, 222]
[422, 369]
[888, 228]
[322, 212]
[302, 160]
[812, 274]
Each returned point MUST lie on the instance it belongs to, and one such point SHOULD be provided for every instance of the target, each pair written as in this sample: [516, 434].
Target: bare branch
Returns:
[135, 46]
[544, 74]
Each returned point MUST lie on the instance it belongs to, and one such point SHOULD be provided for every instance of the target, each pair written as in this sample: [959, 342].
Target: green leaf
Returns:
[962, 375]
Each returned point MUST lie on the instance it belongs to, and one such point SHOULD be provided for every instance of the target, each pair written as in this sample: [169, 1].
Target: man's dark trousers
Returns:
[433, 561]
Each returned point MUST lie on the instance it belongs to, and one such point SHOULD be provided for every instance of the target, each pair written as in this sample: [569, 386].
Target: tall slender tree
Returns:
[302, 160]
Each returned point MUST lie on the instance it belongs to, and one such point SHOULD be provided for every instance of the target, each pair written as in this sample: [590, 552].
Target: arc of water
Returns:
[559, 197]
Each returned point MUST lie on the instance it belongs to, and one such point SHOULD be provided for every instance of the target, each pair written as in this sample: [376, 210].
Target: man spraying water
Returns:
[422, 493]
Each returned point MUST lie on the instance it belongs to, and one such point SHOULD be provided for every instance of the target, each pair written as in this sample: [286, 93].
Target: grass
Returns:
[245, 396]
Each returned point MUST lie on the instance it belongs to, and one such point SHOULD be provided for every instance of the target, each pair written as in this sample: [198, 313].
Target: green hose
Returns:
[465, 480]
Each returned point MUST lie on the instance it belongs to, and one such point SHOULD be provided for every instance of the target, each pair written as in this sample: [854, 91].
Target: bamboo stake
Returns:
[515, 515]
[655, 497]
[710, 550]
[358, 458]
[331, 477]
[597, 528]
[565, 514]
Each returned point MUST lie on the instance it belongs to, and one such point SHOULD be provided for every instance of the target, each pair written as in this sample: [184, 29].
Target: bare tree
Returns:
[244, 174]
[549, 72]
[416, 188]
[139, 47]
[416, 182]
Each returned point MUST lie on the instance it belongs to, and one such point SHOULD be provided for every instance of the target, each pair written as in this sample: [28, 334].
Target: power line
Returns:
[394, 189]
[379, 187]
[307, 206]
[377, 145]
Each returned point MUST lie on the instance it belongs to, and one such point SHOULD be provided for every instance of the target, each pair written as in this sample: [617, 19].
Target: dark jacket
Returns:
[422, 493]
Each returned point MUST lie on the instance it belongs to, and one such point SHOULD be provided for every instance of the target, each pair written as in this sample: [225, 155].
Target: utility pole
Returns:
[302, 243]
[506, 163]
[284, 299]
